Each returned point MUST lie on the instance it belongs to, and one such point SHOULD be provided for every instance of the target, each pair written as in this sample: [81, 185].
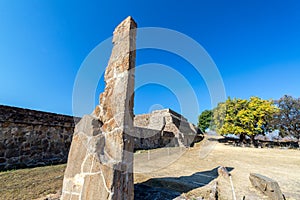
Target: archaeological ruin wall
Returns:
[31, 138]
[164, 128]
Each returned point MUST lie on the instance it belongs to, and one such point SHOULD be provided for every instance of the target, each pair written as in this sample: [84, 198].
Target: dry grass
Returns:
[31, 183]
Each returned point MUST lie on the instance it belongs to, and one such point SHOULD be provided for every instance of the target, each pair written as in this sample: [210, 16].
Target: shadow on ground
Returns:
[171, 187]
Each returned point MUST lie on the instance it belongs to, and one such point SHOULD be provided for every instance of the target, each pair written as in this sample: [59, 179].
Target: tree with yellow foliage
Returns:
[244, 117]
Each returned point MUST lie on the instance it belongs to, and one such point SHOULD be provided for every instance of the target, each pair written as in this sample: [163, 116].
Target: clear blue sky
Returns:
[255, 45]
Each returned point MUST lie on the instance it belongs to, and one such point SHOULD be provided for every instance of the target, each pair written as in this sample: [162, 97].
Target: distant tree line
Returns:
[255, 116]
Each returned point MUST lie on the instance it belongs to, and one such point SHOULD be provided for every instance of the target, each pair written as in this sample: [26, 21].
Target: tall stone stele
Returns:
[100, 159]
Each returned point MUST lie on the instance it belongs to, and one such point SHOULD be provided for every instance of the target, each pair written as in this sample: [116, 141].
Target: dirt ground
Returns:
[199, 164]
[187, 171]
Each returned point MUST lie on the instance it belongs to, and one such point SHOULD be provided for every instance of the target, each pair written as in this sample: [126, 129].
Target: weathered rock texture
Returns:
[31, 138]
[267, 186]
[101, 154]
[164, 128]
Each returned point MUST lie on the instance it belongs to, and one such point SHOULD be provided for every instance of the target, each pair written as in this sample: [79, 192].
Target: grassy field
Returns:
[173, 166]
[31, 183]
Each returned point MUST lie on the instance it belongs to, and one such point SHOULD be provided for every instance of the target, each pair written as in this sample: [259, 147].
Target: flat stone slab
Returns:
[267, 186]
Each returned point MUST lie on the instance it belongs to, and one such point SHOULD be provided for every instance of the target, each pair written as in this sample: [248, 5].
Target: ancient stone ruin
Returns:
[100, 159]
[30, 138]
[101, 154]
[164, 128]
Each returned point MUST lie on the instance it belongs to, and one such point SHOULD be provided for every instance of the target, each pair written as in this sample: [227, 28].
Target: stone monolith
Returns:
[101, 155]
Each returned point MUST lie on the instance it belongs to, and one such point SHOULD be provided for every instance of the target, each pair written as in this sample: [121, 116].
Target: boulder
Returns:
[267, 186]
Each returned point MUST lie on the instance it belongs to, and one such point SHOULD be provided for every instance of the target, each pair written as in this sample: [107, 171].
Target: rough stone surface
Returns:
[101, 155]
[267, 186]
[31, 138]
[164, 128]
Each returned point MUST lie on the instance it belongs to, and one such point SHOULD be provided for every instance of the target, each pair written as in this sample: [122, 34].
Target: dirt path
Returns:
[199, 164]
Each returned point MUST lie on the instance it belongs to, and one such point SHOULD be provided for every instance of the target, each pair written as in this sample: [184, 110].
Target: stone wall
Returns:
[31, 138]
[263, 142]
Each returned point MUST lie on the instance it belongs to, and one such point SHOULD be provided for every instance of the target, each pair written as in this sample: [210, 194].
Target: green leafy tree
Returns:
[287, 120]
[261, 113]
[219, 114]
[204, 120]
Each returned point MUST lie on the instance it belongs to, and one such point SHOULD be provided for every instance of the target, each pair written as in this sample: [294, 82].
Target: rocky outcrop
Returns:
[267, 186]
[101, 155]
[31, 138]
[164, 128]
